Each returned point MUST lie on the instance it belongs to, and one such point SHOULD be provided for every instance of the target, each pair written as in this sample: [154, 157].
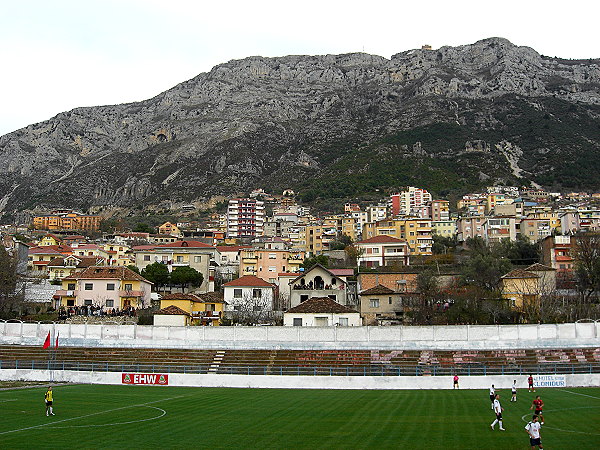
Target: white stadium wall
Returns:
[458, 337]
[501, 382]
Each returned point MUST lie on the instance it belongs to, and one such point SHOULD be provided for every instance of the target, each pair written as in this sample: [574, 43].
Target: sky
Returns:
[57, 55]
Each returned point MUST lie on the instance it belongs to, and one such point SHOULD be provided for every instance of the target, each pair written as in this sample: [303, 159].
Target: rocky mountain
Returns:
[334, 126]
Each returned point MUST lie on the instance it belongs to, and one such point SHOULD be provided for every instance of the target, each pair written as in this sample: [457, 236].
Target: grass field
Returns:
[171, 417]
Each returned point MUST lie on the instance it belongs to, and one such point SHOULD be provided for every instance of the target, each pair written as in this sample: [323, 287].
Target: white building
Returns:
[249, 291]
[383, 250]
[321, 312]
[245, 218]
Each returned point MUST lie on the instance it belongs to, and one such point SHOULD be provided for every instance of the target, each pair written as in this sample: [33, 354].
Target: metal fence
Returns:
[320, 370]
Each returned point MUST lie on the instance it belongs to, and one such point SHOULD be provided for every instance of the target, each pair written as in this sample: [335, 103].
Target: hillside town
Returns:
[270, 260]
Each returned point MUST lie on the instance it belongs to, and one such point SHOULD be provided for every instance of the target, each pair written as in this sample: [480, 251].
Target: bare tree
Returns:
[586, 253]
[253, 310]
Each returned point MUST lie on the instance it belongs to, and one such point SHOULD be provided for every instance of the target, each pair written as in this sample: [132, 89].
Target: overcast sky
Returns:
[60, 54]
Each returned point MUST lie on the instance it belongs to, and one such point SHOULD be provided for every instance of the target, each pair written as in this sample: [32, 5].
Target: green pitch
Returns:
[170, 417]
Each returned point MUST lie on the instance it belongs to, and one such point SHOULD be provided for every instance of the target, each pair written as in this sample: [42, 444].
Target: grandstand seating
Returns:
[305, 362]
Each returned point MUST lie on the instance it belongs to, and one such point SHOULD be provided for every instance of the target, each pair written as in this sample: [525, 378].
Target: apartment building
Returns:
[245, 218]
[65, 221]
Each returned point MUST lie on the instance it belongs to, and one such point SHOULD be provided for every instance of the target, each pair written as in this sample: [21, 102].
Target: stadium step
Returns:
[272, 358]
[218, 359]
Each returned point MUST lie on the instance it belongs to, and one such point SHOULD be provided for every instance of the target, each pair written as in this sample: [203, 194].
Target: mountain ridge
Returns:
[303, 121]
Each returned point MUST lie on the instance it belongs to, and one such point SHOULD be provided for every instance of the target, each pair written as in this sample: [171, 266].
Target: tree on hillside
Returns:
[8, 283]
[142, 227]
[586, 253]
[318, 259]
[134, 268]
[520, 251]
[157, 273]
[185, 275]
[443, 244]
[484, 270]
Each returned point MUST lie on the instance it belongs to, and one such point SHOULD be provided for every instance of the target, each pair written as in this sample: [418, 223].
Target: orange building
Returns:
[67, 221]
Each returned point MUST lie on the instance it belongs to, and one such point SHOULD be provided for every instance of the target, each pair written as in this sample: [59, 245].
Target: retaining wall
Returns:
[501, 382]
[454, 337]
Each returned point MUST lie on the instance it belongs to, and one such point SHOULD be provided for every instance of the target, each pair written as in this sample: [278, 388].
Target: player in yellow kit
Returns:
[48, 400]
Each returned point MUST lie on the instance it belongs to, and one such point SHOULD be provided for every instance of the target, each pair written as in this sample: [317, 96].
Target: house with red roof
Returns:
[318, 281]
[39, 257]
[106, 287]
[321, 312]
[62, 267]
[251, 292]
[383, 250]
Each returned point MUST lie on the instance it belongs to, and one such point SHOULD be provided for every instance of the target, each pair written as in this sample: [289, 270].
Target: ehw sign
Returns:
[144, 378]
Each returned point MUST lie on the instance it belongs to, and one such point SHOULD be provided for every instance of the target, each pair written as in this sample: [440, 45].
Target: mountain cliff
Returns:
[340, 126]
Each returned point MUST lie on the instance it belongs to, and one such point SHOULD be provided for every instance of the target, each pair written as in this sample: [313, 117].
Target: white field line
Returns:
[89, 415]
[164, 413]
[577, 393]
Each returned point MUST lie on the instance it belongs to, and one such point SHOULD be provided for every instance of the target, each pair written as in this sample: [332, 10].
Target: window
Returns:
[237, 293]
[321, 322]
[110, 303]
[297, 322]
[303, 298]
[146, 257]
[389, 300]
[110, 286]
[256, 293]
[333, 297]
[71, 286]
[89, 286]
[343, 322]
[87, 302]
[180, 259]
[128, 286]
[210, 307]
[71, 302]
[374, 303]
[272, 269]
[272, 256]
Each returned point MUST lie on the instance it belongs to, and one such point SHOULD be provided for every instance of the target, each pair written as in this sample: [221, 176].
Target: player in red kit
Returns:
[539, 405]
[530, 383]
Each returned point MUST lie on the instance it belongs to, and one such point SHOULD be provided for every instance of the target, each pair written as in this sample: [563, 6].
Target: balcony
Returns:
[206, 314]
[131, 293]
[63, 293]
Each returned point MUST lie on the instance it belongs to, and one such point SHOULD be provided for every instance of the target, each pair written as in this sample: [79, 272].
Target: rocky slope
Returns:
[335, 125]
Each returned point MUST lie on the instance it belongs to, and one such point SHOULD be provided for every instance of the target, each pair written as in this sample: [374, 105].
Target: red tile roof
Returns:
[84, 261]
[537, 267]
[320, 305]
[47, 250]
[377, 290]
[172, 310]
[180, 296]
[184, 244]
[106, 272]
[249, 280]
[520, 273]
[232, 248]
[382, 239]
[342, 272]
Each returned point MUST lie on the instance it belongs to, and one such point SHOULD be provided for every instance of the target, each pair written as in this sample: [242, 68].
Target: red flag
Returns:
[47, 341]
[56, 344]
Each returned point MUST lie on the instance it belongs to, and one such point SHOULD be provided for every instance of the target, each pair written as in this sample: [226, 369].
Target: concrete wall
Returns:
[309, 319]
[502, 382]
[471, 337]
